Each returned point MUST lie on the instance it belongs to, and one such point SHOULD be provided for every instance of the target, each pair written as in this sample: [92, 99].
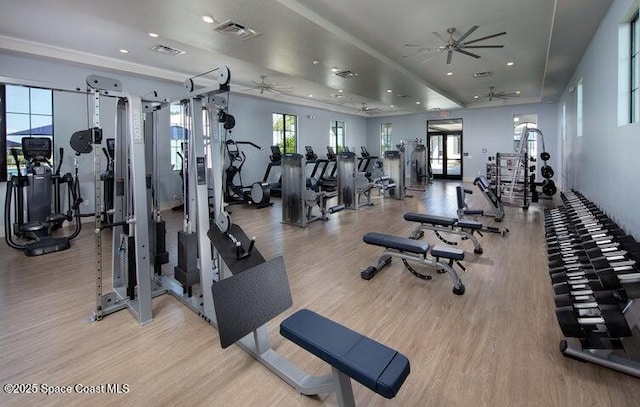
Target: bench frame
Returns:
[384, 259]
[418, 232]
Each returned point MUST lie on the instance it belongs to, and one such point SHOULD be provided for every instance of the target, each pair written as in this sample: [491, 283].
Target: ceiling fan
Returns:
[272, 87]
[499, 94]
[454, 44]
[366, 109]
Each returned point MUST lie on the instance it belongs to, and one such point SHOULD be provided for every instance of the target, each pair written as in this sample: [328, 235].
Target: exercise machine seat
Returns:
[447, 253]
[370, 363]
[434, 220]
[470, 224]
[398, 243]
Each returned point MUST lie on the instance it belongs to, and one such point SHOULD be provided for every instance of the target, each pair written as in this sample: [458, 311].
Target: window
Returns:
[337, 135]
[635, 70]
[385, 137]
[179, 134]
[521, 124]
[285, 132]
[26, 112]
[579, 92]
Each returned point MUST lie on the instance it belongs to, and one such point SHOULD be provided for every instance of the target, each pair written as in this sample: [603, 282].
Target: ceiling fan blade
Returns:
[423, 51]
[485, 38]
[467, 53]
[440, 37]
[449, 55]
[468, 33]
[480, 46]
[430, 57]
[509, 95]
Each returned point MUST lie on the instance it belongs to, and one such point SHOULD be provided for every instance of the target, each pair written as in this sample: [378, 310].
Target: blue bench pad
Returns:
[434, 220]
[371, 363]
[398, 243]
[447, 252]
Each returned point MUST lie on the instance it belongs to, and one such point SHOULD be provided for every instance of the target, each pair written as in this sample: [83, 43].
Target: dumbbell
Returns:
[605, 297]
[575, 217]
[598, 282]
[584, 323]
[568, 247]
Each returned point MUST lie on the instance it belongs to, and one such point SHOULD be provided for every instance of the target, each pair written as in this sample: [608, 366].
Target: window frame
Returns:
[283, 142]
[634, 71]
[337, 140]
[385, 137]
[4, 164]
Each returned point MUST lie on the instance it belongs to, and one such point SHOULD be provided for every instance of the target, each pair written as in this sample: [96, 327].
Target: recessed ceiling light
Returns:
[124, 51]
[389, 90]
[391, 106]
[516, 119]
[154, 35]
[417, 103]
[510, 63]
[517, 92]
[207, 19]
[334, 69]
[340, 90]
[315, 62]
[449, 73]
[476, 97]
[310, 96]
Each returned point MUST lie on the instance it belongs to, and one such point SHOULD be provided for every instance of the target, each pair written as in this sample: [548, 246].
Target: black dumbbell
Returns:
[585, 323]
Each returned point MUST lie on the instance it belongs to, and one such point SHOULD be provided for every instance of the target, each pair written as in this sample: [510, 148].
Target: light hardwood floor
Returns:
[497, 345]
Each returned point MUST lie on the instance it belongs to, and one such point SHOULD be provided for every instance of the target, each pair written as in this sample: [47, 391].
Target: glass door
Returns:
[436, 153]
[445, 148]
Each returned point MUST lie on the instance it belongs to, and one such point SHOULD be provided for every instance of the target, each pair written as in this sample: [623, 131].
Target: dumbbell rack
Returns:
[592, 265]
[512, 179]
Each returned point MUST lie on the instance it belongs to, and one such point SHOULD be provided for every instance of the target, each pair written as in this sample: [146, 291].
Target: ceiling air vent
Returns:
[346, 74]
[402, 96]
[233, 29]
[165, 50]
[482, 74]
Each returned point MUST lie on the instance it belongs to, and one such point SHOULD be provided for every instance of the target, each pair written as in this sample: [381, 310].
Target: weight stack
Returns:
[186, 272]
[159, 254]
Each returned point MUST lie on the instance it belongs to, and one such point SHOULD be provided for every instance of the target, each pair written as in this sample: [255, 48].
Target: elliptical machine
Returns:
[257, 194]
[42, 190]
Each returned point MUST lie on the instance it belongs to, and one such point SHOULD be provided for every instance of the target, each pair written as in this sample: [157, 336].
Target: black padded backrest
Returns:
[460, 195]
[248, 300]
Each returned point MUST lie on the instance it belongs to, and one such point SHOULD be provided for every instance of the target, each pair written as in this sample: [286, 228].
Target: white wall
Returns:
[604, 163]
[490, 128]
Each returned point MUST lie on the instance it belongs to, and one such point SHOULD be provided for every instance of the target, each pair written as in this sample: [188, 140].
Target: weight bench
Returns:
[413, 250]
[442, 224]
[350, 354]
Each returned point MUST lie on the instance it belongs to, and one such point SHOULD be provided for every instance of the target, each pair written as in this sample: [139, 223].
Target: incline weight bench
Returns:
[464, 210]
[413, 250]
[247, 301]
[442, 224]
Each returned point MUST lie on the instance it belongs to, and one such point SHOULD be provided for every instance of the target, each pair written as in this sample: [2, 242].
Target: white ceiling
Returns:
[545, 39]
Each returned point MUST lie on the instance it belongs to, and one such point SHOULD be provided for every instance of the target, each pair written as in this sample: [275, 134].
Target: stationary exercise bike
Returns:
[257, 194]
[43, 201]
